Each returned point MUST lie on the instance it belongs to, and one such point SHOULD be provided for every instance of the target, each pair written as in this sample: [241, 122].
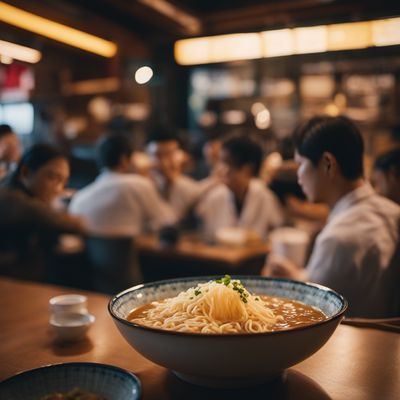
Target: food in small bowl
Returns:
[227, 331]
[77, 380]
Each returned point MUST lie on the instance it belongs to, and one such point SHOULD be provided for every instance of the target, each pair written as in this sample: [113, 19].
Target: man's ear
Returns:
[329, 164]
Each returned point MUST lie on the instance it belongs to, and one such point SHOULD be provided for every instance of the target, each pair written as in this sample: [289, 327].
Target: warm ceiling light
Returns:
[222, 48]
[5, 59]
[56, 31]
[263, 119]
[143, 75]
[356, 35]
[278, 42]
[192, 51]
[311, 39]
[386, 32]
[284, 42]
[242, 46]
[17, 52]
[257, 108]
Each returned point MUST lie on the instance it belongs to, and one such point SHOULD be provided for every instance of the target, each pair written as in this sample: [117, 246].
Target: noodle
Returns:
[221, 306]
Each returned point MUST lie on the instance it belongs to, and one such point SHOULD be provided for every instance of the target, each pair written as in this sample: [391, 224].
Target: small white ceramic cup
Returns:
[68, 304]
[70, 327]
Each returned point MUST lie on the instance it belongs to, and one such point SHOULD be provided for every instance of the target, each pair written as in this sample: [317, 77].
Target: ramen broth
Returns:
[294, 313]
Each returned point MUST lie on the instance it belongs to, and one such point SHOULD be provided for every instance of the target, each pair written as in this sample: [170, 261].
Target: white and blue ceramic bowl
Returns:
[103, 380]
[222, 360]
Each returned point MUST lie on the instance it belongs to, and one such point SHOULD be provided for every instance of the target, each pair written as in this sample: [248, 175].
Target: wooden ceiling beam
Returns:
[137, 17]
[291, 14]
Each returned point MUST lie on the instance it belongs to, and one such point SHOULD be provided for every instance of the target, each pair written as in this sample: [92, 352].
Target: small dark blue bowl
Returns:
[110, 382]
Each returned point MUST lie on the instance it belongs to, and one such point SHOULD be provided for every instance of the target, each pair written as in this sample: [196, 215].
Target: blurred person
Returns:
[41, 174]
[10, 149]
[242, 200]
[119, 202]
[283, 182]
[386, 175]
[141, 163]
[179, 190]
[211, 151]
[29, 226]
[208, 171]
[279, 171]
[357, 252]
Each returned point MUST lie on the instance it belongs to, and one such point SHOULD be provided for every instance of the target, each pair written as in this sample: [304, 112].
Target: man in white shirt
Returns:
[357, 252]
[120, 203]
[180, 191]
[243, 201]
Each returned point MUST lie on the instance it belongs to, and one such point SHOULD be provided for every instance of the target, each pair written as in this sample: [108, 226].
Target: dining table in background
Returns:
[356, 363]
[191, 256]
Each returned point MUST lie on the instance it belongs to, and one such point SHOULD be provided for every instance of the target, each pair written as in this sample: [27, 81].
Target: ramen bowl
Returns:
[227, 360]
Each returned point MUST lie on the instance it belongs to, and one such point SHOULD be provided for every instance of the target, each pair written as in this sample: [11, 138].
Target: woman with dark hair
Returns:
[41, 173]
[29, 226]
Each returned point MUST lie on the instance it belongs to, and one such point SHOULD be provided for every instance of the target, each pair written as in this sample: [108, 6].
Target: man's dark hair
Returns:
[111, 148]
[336, 135]
[389, 161]
[5, 130]
[244, 150]
[39, 155]
[162, 134]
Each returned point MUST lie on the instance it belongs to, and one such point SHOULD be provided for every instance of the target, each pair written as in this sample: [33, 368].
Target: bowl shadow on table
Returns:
[291, 384]
[64, 349]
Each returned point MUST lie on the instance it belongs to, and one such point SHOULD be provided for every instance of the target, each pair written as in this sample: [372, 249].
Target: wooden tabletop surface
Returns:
[189, 246]
[355, 364]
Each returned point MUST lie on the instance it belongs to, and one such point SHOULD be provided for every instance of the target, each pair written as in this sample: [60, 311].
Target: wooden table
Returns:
[192, 257]
[356, 364]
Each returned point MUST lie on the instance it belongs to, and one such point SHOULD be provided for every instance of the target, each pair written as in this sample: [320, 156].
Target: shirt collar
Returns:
[350, 199]
[107, 174]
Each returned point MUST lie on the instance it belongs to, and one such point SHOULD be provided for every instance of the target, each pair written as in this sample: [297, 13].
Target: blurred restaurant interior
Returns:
[88, 78]
[67, 93]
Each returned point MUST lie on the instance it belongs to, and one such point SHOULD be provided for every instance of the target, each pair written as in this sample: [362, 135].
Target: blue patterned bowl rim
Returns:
[21, 375]
[200, 279]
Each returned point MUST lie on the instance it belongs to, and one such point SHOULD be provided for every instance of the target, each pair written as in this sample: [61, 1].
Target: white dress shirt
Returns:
[121, 204]
[182, 194]
[357, 253]
[261, 210]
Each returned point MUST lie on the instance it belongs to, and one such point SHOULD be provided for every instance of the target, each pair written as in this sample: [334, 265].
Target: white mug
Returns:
[291, 243]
